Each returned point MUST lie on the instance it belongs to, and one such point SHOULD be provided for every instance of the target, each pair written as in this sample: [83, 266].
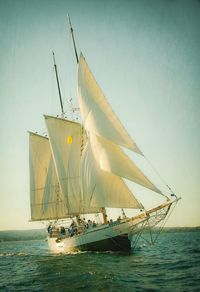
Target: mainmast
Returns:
[59, 91]
[103, 210]
[73, 40]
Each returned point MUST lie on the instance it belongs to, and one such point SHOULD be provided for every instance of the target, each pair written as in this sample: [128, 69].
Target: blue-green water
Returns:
[173, 264]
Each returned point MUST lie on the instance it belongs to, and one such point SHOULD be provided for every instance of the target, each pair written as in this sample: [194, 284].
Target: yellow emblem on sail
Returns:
[69, 140]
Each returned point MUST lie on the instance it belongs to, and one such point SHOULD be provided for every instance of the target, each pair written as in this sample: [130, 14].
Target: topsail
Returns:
[98, 116]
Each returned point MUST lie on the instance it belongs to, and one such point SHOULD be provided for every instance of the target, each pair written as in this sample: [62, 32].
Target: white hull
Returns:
[115, 237]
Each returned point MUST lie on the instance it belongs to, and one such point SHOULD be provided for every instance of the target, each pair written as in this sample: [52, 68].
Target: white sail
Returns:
[101, 188]
[111, 158]
[98, 116]
[46, 199]
[81, 169]
[67, 140]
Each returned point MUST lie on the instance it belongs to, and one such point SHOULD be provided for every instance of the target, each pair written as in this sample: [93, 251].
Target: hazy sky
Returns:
[146, 57]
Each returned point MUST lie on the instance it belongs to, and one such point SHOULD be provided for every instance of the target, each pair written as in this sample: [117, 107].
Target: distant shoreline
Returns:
[41, 234]
[21, 235]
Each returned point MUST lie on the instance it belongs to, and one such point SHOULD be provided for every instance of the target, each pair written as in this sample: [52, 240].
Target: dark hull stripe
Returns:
[117, 243]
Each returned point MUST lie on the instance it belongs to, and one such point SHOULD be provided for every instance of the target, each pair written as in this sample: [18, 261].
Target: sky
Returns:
[145, 56]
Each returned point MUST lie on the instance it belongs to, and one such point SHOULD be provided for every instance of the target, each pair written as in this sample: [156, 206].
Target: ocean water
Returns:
[173, 264]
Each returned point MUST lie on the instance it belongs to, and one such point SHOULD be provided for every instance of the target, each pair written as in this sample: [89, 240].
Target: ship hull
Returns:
[104, 238]
[114, 237]
[118, 236]
[117, 243]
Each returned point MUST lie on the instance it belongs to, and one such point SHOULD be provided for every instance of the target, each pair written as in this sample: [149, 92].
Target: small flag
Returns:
[69, 140]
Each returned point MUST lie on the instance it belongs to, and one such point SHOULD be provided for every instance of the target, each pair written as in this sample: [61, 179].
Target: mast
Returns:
[73, 40]
[59, 92]
[105, 217]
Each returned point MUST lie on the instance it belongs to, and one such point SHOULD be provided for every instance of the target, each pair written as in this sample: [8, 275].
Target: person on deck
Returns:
[49, 229]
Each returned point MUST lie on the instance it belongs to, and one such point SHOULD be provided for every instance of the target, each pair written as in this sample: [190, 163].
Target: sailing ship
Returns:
[79, 169]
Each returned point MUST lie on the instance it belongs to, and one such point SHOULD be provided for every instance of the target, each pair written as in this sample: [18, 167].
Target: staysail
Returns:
[46, 198]
[105, 136]
[111, 158]
[101, 188]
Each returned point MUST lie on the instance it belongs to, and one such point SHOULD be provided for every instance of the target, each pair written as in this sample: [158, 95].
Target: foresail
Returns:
[98, 116]
[67, 139]
[45, 196]
[101, 188]
[111, 158]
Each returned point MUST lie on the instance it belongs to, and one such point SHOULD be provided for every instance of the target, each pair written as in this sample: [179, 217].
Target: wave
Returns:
[12, 254]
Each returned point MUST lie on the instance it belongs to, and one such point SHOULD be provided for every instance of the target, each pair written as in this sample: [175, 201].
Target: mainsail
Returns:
[67, 140]
[46, 199]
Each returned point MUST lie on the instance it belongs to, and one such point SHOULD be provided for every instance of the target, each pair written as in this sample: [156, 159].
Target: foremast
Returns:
[73, 40]
[58, 84]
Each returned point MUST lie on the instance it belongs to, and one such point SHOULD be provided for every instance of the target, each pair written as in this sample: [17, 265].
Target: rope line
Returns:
[159, 175]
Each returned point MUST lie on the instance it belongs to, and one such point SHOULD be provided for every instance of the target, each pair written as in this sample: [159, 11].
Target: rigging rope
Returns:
[159, 175]
[165, 221]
